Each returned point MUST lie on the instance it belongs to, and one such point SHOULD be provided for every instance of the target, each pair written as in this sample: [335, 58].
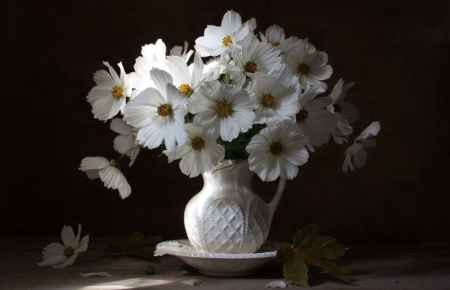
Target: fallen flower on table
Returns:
[60, 256]
[103, 274]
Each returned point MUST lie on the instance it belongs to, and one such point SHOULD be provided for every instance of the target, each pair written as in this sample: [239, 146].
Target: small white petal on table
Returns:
[192, 282]
[277, 284]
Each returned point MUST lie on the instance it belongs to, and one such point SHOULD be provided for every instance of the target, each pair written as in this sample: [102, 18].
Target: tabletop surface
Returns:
[370, 267]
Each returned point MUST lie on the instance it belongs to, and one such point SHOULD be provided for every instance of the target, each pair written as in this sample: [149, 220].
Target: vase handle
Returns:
[277, 197]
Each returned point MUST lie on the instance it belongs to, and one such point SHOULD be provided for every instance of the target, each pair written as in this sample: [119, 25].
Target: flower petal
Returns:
[67, 236]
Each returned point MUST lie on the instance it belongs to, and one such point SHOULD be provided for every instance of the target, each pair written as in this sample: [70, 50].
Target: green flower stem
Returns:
[227, 78]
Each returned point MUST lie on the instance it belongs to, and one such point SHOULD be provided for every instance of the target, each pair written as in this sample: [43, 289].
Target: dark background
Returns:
[397, 52]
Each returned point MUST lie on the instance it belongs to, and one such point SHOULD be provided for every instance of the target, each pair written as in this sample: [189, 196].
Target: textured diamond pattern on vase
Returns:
[222, 226]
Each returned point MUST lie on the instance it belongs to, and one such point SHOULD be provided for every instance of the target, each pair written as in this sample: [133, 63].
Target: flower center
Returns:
[68, 252]
[275, 43]
[302, 115]
[226, 41]
[268, 100]
[117, 92]
[303, 68]
[276, 148]
[222, 109]
[251, 66]
[198, 143]
[337, 108]
[185, 89]
[164, 110]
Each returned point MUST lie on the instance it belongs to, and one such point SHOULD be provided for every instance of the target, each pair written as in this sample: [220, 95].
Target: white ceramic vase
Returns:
[226, 216]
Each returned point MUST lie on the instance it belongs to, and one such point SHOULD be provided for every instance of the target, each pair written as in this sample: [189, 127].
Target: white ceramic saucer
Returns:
[218, 264]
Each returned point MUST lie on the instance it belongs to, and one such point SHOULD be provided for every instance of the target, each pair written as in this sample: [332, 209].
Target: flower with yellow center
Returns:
[185, 89]
[199, 154]
[164, 110]
[198, 143]
[117, 92]
[186, 78]
[60, 256]
[68, 252]
[276, 37]
[217, 39]
[158, 113]
[275, 43]
[302, 115]
[277, 151]
[276, 148]
[255, 59]
[277, 96]
[226, 40]
[222, 110]
[251, 66]
[110, 95]
[310, 65]
[268, 100]
[303, 69]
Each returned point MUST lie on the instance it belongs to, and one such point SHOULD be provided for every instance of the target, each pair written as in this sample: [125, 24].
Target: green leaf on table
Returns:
[135, 245]
[310, 248]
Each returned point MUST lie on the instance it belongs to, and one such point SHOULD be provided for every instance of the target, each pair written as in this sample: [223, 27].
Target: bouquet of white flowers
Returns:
[243, 97]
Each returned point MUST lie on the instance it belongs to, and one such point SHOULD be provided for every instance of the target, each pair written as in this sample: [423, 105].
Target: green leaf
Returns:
[135, 245]
[310, 248]
[138, 240]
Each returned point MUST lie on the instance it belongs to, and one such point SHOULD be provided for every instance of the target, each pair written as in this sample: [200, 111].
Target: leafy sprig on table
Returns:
[310, 249]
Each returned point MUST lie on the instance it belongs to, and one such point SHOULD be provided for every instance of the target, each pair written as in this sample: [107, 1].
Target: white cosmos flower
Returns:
[277, 151]
[60, 256]
[275, 36]
[356, 152]
[125, 142]
[216, 39]
[158, 113]
[277, 96]
[215, 67]
[200, 153]
[106, 170]
[313, 120]
[182, 52]
[223, 110]
[310, 65]
[345, 112]
[153, 55]
[111, 92]
[254, 59]
[186, 78]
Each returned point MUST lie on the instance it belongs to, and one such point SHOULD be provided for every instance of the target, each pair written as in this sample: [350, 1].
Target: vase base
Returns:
[215, 264]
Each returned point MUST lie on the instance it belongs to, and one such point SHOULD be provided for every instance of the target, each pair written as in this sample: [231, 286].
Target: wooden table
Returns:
[372, 267]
